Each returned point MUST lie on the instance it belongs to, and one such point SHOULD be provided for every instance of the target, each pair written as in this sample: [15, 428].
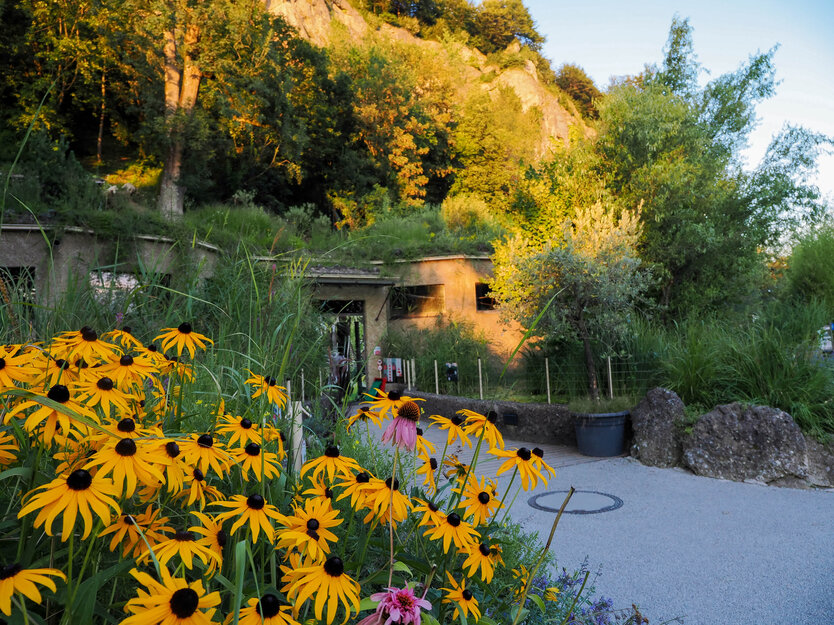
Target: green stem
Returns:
[470, 469]
[391, 518]
[576, 598]
[22, 604]
[501, 503]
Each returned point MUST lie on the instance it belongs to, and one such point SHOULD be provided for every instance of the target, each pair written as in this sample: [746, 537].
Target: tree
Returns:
[500, 22]
[573, 80]
[585, 277]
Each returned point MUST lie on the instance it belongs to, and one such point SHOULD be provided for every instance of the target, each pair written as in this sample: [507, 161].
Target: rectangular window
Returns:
[425, 300]
[483, 297]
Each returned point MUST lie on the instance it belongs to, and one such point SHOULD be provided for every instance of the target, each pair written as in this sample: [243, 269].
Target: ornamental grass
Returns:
[137, 490]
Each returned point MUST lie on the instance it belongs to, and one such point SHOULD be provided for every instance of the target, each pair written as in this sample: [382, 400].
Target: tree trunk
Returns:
[181, 88]
[101, 117]
[593, 383]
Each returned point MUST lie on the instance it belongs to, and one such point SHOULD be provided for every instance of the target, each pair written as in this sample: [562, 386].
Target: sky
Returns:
[619, 37]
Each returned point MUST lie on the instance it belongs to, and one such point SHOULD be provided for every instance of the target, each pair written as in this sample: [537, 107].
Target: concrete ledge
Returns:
[546, 423]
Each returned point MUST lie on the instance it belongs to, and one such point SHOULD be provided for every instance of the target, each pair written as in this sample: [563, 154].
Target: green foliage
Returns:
[573, 80]
[811, 266]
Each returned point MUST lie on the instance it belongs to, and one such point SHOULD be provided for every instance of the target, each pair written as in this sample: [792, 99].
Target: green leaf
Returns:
[24, 472]
[85, 599]
[367, 604]
[240, 565]
[401, 567]
[538, 601]
[428, 619]
[485, 620]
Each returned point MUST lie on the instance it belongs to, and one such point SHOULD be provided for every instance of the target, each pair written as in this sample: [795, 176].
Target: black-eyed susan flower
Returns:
[432, 516]
[329, 585]
[253, 459]
[128, 462]
[478, 425]
[551, 594]
[152, 354]
[319, 491]
[123, 337]
[479, 500]
[77, 493]
[128, 427]
[424, 446]
[54, 423]
[403, 429]
[129, 371]
[175, 469]
[308, 529]
[170, 601]
[199, 490]
[462, 598]
[522, 459]
[55, 371]
[72, 455]
[330, 463]
[253, 511]
[364, 414]
[15, 579]
[453, 530]
[523, 576]
[386, 502]
[538, 460]
[128, 530]
[204, 453]
[428, 471]
[480, 557]
[8, 449]
[183, 544]
[15, 367]
[455, 468]
[268, 610]
[385, 403]
[213, 535]
[267, 385]
[356, 488]
[238, 430]
[453, 428]
[86, 344]
[182, 337]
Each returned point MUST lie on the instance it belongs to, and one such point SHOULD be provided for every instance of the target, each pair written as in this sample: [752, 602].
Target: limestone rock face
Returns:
[312, 18]
[741, 442]
[657, 423]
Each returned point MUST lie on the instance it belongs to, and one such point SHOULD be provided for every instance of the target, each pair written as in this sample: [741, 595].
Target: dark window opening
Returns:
[425, 300]
[483, 297]
[341, 307]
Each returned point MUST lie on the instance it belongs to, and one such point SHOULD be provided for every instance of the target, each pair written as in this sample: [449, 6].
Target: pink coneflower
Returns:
[403, 429]
[397, 606]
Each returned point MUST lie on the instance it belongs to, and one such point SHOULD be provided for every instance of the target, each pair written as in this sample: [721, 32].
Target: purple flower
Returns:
[397, 606]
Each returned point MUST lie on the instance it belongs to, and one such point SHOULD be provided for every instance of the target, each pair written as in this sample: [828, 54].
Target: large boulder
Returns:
[657, 423]
[820, 463]
[742, 442]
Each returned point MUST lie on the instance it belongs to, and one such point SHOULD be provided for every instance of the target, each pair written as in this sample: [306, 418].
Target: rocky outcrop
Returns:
[820, 463]
[657, 423]
[313, 18]
[741, 442]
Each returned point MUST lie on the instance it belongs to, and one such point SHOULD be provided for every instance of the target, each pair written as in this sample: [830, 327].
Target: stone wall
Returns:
[546, 423]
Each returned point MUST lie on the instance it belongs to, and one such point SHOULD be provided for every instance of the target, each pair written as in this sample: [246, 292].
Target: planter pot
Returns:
[601, 435]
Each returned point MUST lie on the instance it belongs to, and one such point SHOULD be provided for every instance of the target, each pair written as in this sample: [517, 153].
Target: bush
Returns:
[811, 267]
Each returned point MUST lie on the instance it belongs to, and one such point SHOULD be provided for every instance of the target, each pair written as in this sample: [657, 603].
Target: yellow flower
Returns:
[538, 460]
[308, 529]
[128, 463]
[239, 429]
[16, 367]
[73, 494]
[477, 423]
[201, 451]
[453, 429]
[383, 402]
[8, 449]
[213, 536]
[185, 545]
[365, 415]
[14, 578]
[252, 510]
[129, 370]
[56, 424]
[424, 446]
[432, 516]
[462, 598]
[199, 490]
[320, 492]
[173, 601]
[330, 586]
[356, 488]
[386, 504]
[182, 337]
[429, 470]
[54, 371]
[267, 611]
[260, 463]
[266, 385]
[126, 530]
[83, 344]
[480, 556]
[330, 463]
[479, 500]
[521, 458]
[453, 530]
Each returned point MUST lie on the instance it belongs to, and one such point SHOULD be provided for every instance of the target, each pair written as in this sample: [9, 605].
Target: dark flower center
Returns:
[252, 449]
[409, 410]
[328, 493]
[268, 606]
[205, 440]
[126, 361]
[255, 502]
[332, 451]
[10, 571]
[283, 438]
[172, 449]
[334, 567]
[433, 463]
[483, 497]
[59, 393]
[492, 416]
[362, 478]
[270, 381]
[453, 519]
[394, 396]
[152, 348]
[433, 506]
[466, 594]
[221, 538]
[396, 483]
[312, 524]
[128, 520]
[538, 451]
[419, 431]
[105, 384]
[312, 534]
[126, 447]
[198, 475]
[88, 334]
[184, 602]
[184, 536]
[245, 423]
[184, 328]
[483, 549]
[62, 364]
[456, 420]
[127, 329]
[523, 453]
[126, 425]
[79, 480]
[81, 363]
[2, 363]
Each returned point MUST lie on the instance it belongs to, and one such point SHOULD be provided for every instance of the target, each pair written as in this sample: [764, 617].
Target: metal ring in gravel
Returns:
[534, 502]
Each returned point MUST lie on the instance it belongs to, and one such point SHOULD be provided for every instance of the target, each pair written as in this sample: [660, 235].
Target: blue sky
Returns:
[613, 38]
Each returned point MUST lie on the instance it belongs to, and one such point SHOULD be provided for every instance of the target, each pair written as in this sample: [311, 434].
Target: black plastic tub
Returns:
[601, 435]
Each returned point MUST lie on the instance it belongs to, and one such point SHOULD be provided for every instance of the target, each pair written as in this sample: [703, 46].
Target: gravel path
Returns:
[709, 551]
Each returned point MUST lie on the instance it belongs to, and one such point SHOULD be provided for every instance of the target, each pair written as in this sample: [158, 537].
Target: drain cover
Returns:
[582, 502]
